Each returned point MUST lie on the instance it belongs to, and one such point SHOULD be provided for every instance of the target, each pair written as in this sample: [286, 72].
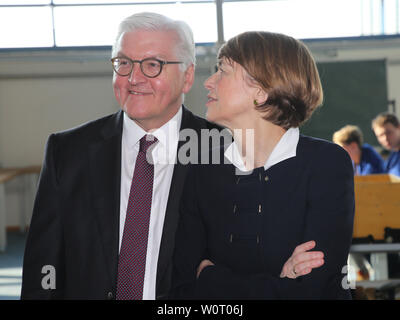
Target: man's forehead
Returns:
[168, 37]
[161, 44]
[385, 128]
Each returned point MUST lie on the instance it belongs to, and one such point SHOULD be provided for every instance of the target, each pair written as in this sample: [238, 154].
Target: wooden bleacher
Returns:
[377, 200]
[7, 174]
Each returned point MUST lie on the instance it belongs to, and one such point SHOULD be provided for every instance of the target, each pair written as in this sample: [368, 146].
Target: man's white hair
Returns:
[149, 21]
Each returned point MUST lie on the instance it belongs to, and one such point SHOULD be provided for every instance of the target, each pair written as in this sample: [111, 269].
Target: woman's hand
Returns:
[302, 262]
[202, 265]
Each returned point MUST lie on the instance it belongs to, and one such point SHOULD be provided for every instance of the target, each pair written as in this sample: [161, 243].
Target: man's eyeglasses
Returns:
[151, 67]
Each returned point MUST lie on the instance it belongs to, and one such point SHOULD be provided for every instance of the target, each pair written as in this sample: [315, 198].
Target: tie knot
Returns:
[146, 141]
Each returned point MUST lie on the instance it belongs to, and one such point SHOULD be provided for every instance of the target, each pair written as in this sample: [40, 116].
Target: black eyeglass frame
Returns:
[161, 62]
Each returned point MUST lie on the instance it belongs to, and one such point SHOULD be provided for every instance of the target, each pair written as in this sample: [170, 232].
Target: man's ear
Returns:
[188, 78]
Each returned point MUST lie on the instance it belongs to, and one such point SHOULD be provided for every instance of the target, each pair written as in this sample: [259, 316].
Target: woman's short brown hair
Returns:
[284, 68]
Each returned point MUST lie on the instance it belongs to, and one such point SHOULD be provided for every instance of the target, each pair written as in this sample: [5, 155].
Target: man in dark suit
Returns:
[77, 229]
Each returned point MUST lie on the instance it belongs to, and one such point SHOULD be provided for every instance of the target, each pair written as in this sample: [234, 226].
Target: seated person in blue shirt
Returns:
[364, 157]
[241, 219]
[386, 127]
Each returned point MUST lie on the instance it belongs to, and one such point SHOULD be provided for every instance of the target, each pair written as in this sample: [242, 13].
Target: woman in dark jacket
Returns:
[241, 220]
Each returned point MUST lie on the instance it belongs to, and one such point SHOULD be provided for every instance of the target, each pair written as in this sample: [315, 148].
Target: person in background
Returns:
[386, 127]
[240, 220]
[364, 157]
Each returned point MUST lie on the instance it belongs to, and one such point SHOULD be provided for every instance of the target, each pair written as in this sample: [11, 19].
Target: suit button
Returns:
[266, 178]
[110, 295]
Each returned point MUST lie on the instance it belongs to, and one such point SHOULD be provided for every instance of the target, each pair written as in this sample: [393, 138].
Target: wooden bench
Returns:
[377, 205]
[377, 199]
[7, 174]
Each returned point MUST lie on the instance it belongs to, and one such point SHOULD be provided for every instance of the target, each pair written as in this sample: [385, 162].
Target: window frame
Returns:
[53, 4]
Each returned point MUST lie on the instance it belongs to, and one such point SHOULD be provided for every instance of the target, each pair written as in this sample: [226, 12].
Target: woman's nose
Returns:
[209, 83]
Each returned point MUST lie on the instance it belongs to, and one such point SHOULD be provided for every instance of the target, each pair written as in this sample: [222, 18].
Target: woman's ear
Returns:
[261, 97]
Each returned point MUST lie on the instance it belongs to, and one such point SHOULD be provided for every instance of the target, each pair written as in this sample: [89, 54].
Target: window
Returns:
[26, 27]
[62, 23]
[391, 17]
[70, 2]
[97, 25]
[312, 18]
[24, 2]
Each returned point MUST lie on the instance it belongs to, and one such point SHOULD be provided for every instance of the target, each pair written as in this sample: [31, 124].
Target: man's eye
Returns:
[152, 64]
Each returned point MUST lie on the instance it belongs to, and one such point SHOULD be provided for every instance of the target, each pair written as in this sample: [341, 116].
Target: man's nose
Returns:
[385, 140]
[136, 75]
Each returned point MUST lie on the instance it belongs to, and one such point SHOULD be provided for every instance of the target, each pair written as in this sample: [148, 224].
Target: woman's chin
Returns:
[211, 117]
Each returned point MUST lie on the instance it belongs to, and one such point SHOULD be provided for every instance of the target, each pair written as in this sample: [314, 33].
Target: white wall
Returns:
[39, 97]
[47, 91]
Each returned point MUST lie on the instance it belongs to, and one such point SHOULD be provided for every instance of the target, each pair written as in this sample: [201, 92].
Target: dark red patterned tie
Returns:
[132, 256]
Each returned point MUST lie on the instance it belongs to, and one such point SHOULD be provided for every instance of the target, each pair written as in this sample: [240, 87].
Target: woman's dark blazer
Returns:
[249, 230]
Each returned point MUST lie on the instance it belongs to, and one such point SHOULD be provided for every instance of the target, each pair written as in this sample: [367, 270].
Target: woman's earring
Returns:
[255, 102]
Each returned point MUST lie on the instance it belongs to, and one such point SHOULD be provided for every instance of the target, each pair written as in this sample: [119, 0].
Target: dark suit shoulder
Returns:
[91, 130]
[208, 125]
[320, 148]
[323, 157]
[193, 121]
[70, 147]
[316, 142]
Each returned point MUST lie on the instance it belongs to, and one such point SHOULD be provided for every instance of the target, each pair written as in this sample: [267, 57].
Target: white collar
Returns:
[167, 134]
[284, 149]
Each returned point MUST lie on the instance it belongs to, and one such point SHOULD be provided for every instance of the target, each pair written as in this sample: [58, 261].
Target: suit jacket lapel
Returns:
[172, 211]
[105, 174]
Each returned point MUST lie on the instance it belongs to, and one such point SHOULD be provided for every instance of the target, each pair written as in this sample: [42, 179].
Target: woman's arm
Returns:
[329, 222]
[300, 263]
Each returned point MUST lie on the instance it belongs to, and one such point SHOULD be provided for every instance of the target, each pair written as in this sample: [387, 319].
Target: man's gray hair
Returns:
[150, 21]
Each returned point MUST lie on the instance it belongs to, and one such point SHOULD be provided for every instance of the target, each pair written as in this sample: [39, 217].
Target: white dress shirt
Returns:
[284, 149]
[164, 155]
